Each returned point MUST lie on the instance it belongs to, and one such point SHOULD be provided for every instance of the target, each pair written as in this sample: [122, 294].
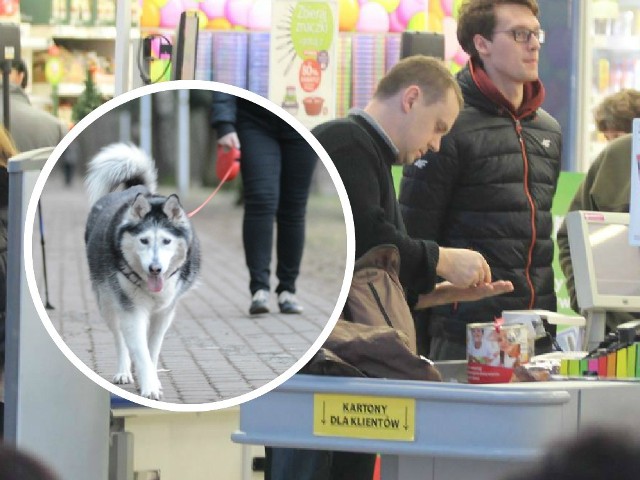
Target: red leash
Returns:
[225, 157]
[213, 194]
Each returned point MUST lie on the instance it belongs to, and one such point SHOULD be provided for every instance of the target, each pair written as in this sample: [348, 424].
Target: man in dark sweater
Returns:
[491, 185]
[414, 105]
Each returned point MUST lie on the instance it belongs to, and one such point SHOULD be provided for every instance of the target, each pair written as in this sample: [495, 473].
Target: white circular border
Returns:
[108, 106]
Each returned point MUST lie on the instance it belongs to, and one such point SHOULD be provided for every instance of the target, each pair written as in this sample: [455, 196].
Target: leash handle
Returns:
[213, 194]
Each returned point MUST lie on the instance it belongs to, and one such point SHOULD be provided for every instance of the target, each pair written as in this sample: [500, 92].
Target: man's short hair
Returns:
[19, 66]
[428, 73]
[479, 17]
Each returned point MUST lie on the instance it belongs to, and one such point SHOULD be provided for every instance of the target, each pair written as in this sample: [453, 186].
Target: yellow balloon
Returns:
[158, 3]
[389, 5]
[436, 8]
[150, 15]
[434, 23]
[219, 23]
[348, 13]
[417, 23]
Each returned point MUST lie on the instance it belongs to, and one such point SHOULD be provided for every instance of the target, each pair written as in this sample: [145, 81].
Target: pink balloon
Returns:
[237, 12]
[395, 25]
[373, 18]
[362, 2]
[259, 17]
[460, 57]
[447, 7]
[408, 8]
[190, 4]
[451, 45]
[170, 13]
[213, 8]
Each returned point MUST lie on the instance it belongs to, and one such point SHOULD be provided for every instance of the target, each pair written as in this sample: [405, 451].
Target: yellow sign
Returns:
[359, 416]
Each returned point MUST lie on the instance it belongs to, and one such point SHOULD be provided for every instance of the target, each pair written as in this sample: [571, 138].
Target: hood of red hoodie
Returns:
[474, 77]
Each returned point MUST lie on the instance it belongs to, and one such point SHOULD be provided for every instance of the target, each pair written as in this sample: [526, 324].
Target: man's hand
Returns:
[462, 267]
[446, 292]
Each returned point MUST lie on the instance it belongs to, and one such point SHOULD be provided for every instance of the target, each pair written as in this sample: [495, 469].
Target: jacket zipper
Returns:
[534, 235]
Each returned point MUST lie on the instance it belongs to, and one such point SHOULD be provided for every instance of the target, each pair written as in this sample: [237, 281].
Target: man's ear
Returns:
[409, 97]
[481, 44]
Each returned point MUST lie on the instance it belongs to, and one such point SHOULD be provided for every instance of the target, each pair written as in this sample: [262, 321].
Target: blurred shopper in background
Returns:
[30, 127]
[614, 115]
[606, 188]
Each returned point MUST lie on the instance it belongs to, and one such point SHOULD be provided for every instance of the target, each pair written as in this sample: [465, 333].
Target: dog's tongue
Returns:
[154, 283]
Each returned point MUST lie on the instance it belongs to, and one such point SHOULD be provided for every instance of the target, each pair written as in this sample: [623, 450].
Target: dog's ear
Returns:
[139, 208]
[173, 210]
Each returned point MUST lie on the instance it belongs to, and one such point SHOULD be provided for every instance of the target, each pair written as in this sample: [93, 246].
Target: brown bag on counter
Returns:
[376, 337]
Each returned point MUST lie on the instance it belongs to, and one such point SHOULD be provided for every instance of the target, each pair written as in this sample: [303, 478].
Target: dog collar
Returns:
[129, 273]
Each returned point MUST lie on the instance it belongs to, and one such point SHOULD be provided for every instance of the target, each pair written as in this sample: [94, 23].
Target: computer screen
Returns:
[185, 48]
[606, 266]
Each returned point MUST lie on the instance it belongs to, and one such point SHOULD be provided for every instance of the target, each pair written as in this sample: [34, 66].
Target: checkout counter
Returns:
[51, 409]
[434, 431]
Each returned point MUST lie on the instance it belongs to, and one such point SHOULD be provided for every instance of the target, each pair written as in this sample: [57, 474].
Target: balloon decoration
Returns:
[170, 13]
[237, 12]
[373, 16]
[348, 13]
[150, 15]
[395, 24]
[388, 5]
[260, 15]
[213, 8]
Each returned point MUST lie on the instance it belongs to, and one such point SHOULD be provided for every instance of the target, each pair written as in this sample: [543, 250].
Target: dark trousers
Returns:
[276, 166]
[298, 464]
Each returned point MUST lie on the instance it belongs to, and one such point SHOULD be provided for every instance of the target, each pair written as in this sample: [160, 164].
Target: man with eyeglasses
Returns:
[491, 185]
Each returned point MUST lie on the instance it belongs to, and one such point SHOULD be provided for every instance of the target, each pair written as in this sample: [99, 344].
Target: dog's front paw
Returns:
[122, 378]
[151, 394]
[151, 389]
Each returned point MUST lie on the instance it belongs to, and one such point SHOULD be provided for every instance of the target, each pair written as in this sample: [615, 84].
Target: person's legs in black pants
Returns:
[260, 165]
[298, 163]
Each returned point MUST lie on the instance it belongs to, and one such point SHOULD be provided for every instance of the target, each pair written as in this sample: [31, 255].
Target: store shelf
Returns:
[71, 90]
[72, 32]
[622, 44]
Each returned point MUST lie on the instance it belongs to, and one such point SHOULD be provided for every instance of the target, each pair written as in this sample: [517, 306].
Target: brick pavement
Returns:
[214, 350]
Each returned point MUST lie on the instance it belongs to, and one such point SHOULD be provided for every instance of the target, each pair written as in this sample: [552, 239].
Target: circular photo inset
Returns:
[190, 245]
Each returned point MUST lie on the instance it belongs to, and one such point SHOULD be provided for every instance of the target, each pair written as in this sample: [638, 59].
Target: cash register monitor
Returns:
[606, 268]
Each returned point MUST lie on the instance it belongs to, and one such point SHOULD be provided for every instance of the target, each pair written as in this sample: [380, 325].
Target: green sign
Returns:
[311, 28]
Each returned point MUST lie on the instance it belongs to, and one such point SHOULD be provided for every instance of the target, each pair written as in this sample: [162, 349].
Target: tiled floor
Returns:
[214, 350]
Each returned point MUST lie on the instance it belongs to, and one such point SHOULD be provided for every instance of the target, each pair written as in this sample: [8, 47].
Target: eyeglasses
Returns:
[523, 35]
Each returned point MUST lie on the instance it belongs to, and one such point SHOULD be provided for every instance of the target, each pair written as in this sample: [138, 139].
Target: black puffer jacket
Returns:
[490, 188]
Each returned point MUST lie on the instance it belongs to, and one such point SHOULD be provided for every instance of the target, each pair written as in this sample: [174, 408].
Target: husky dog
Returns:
[143, 255]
